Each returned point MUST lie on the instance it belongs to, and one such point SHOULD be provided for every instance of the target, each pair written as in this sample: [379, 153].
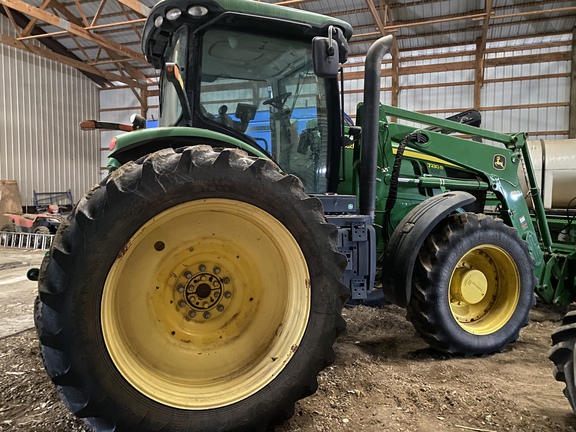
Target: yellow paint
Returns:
[484, 289]
[421, 156]
[220, 257]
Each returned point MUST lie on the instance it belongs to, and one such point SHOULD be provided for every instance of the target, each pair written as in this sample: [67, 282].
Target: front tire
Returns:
[42, 229]
[473, 286]
[193, 290]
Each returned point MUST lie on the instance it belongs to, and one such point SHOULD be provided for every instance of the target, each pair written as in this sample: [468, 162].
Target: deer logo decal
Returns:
[499, 162]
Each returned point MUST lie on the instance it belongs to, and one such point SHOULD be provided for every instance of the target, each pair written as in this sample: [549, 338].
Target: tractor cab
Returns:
[253, 79]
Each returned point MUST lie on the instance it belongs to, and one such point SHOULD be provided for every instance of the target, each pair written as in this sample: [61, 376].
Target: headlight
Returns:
[173, 14]
[197, 11]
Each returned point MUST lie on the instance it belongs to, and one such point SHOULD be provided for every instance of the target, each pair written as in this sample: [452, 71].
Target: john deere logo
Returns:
[499, 162]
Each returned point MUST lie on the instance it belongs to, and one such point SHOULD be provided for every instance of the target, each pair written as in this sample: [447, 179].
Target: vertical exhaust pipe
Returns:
[369, 156]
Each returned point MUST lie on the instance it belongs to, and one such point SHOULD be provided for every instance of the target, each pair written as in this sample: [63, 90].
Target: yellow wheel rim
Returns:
[484, 289]
[206, 304]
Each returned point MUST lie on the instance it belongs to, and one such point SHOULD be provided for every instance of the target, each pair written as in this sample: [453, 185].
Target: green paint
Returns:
[133, 139]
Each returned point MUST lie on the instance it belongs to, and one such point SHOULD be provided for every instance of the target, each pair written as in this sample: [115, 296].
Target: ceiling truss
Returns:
[84, 34]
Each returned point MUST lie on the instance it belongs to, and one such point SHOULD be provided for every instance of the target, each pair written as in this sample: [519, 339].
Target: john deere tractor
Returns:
[199, 286]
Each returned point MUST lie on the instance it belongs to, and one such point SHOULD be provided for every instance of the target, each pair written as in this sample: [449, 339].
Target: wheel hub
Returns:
[470, 285]
[203, 295]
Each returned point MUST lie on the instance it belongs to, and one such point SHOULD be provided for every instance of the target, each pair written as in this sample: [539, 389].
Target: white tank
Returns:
[554, 164]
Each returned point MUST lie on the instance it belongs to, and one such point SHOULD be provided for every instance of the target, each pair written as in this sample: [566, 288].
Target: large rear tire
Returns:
[473, 286]
[192, 290]
[562, 354]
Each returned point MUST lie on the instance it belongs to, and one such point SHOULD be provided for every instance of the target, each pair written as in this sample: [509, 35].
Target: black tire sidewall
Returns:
[490, 232]
[114, 397]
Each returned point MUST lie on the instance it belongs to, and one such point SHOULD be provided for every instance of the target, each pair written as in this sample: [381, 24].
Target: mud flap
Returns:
[407, 239]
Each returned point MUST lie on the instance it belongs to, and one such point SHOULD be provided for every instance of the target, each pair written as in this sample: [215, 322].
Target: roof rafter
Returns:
[71, 28]
[136, 6]
[43, 52]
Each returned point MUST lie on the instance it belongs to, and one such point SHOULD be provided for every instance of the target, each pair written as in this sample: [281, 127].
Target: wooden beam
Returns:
[536, 12]
[136, 6]
[12, 20]
[572, 115]
[22, 21]
[466, 65]
[480, 53]
[84, 19]
[396, 59]
[134, 73]
[98, 12]
[33, 21]
[377, 20]
[144, 108]
[134, 27]
[72, 28]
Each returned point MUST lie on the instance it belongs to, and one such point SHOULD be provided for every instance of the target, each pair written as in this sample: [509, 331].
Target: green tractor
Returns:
[199, 287]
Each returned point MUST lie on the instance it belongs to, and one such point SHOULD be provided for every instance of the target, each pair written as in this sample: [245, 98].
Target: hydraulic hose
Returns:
[369, 157]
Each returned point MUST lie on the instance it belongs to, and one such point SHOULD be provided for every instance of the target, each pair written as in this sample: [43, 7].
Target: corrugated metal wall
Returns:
[117, 106]
[41, 105]
[518, 98]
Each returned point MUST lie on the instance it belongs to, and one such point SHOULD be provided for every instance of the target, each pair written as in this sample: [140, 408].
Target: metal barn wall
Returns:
[519, 98]
[117, 105]
[41, 105]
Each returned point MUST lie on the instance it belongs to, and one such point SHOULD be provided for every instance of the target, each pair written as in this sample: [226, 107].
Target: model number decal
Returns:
[434, 166]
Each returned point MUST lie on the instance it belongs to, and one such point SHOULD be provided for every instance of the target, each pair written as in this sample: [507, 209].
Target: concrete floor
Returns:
[17, 293]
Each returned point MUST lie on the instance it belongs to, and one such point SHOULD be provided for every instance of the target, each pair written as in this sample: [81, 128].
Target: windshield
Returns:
[177, 52]
[265, 88]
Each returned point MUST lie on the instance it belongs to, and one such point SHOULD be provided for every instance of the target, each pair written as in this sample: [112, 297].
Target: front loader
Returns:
[199, 286]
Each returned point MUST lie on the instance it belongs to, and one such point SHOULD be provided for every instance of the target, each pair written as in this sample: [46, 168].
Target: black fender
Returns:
[407, 239]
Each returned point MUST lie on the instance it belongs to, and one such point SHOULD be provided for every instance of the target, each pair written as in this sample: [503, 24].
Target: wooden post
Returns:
[479, 75]
[144, 109]
[395, 73]
[572, 121]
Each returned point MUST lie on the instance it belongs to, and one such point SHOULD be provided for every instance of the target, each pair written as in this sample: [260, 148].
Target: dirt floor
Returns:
[384, 379]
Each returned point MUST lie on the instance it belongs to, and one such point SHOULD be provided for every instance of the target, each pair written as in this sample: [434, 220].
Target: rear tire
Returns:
[562, 354]
[192, 290]
[473, 286]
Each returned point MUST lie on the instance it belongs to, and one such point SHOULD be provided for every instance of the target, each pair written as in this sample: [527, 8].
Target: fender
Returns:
[407, 239]
[133, 145]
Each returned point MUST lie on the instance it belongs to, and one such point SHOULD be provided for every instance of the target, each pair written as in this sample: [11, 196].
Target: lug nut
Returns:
[220, 308]
[207, 315]
[217, 270]
[226, 280]
[227, 294]
[188, 275]
[202, 267]
[181, 303]
[192, 314]
[180, 288]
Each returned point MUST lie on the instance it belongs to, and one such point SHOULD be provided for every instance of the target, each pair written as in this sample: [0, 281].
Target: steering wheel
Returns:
[278, 101]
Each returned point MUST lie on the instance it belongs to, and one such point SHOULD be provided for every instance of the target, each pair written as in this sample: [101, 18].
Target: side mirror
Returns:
[325, 55]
